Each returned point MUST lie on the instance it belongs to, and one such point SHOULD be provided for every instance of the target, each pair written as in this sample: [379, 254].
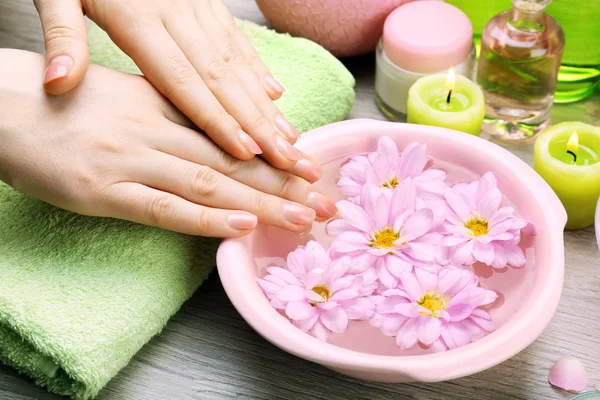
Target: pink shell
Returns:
[344, 27]
[568, 373]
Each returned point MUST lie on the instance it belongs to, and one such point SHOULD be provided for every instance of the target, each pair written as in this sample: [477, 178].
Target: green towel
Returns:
[320, 90]
[79, 296]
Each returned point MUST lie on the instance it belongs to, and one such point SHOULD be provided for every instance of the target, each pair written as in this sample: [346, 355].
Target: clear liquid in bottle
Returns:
[521, 51]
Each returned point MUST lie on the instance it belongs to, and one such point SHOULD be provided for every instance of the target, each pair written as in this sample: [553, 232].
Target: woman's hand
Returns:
[193, 52]
[115, 147]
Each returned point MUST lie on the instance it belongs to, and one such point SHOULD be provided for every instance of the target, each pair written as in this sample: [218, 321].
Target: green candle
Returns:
[567, 156]
[439, 101]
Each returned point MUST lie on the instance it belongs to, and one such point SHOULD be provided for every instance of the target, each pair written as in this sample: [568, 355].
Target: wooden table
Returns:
[208, 352]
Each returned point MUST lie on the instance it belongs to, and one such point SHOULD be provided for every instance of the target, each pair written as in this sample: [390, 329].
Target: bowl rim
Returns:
[475, 357]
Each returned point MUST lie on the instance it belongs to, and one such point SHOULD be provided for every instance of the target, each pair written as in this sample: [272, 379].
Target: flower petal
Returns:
[568, 374]
[290, 293]
[299, 310]
[514, 255]
[427, 280]
[459, 312]
[355, 216]
[429, 329]
[308, 323]
[342, 283]
[267, 286]
[387, 279]
[390, 324]
[484, 253]
[500, 215]
[454, 240]
[485, 184]
[410, 310]
[319, 331]
[458, 204]
[413, 160]
[455, 335]
[345, 294]
[488, 204]
[419, 223]
[403, 198]
[396, 265]
[283, 274]
[460, 254]
[336, 227]
[406, 337]
[336, 319]
[411, 286]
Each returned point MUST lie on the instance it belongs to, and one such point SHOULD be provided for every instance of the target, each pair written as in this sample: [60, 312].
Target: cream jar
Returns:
[420, 38]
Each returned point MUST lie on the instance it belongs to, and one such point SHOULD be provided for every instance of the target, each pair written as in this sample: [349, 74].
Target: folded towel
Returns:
[79, 296]
[319, 89]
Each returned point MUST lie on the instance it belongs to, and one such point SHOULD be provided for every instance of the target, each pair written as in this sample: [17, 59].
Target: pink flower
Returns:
[387, 168]
[481, 230]
[384, 231]
[317, 294]
[439, 310]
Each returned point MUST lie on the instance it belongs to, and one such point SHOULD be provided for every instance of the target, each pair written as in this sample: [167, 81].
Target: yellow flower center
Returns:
[477, 226]
[433, 301]
[384, 239]
[391, 183]
[322, 291]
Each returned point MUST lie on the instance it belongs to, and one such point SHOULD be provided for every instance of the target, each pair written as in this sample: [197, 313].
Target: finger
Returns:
[167, 68]
[65, 37]
[203, 185]
[271, 85]
[307, 168]
[256, 173]
[144, 205]
[230, 52]
[225, 86]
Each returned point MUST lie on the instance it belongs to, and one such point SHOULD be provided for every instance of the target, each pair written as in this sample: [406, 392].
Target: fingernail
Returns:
[297, 214]
[249, 143]
[287, 129]
[308, 169]
[273, 84]
[323, 205]
[60, 67]
[287, 149]
[242, 220]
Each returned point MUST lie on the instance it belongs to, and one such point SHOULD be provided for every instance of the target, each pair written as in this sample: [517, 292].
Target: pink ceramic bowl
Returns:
[528, 297]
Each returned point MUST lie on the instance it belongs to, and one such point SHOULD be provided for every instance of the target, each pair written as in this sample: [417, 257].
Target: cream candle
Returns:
[567, 156]
[448, 101]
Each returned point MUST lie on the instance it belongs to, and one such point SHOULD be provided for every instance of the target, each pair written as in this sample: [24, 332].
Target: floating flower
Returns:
[438, 309]
[387, 168]
[481, 230]
[385, 231]
[317, 293]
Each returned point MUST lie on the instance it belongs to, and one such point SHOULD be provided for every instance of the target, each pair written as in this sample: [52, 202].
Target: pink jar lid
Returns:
[427, 36]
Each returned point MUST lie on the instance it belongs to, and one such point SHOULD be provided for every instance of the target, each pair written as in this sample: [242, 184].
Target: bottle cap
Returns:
[427, 36]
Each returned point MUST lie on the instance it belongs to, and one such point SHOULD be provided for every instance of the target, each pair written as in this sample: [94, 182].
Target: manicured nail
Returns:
[297, 214]
[242, 220]
[308, 169]
[287, 129]
[249, 143]
[273, 84]
[287, 149]
[60, 67]
[323, 205]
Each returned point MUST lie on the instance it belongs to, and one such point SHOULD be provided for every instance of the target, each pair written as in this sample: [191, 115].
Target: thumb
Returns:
[65, 36]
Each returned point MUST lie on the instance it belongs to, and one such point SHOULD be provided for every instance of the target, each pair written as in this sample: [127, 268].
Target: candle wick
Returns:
[449, 95]
[573, 154]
